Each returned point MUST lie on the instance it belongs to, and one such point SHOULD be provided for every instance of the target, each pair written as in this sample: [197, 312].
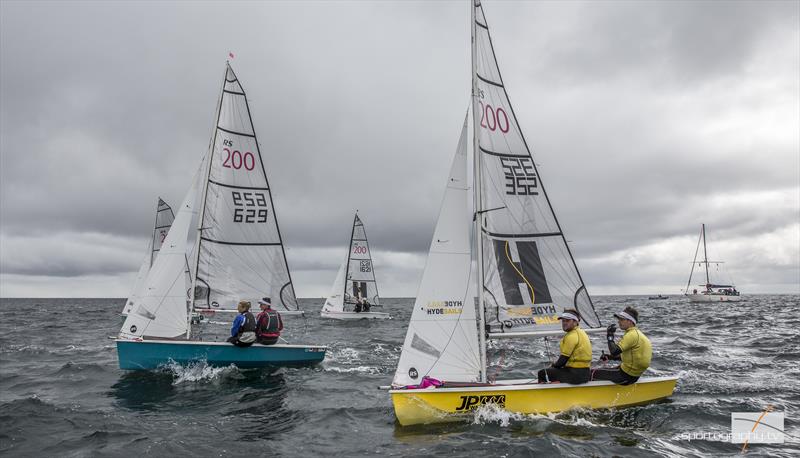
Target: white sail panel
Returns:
[241, 255]
[335, 301]
[162, 311]
[138, 285]
[442, 337]
[164, 219]
[361, 282]
[529, 273]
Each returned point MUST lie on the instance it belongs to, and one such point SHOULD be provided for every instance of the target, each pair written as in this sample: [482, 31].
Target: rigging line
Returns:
[691, 272]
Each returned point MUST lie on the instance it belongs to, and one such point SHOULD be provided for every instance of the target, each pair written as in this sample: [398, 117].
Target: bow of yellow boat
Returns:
[436, 405]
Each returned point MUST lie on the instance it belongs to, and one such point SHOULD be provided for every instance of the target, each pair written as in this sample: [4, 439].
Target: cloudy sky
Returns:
[647, 119]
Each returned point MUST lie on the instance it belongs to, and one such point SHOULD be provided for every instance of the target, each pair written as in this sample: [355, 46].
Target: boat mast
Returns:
[209, 157]
[705, 258]
[349, 253]
[476, 183]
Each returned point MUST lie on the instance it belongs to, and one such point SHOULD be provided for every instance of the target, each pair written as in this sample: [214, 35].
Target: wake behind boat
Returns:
[355, 290]
[238, 256]
[514, 280]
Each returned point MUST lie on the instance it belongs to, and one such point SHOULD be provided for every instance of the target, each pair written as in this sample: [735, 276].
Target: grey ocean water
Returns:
[61, 393]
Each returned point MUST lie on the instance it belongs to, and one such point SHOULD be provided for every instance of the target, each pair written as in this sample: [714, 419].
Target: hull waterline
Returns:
[139, 355]
[713, 298]
[438, 405]
[356, 316]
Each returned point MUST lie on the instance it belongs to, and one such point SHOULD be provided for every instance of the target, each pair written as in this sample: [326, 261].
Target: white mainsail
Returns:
[164, 219]
[356, 277]
[524, 273]
[529, 273]
[239, 254]
[442, 338]
[162, 311]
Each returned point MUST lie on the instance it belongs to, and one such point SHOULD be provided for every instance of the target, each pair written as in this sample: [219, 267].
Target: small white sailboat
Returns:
[711, 291]
[238, 255]
[510, 278]
[164, 219]
[355, 282]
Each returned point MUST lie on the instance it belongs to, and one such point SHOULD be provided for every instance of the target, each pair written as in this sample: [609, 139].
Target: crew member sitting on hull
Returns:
[357, 306]
[572, 365]
[268, 324]
[244, 326]
[633, 349]
[365, 306]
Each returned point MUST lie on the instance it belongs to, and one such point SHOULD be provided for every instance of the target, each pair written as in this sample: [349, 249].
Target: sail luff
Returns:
[272, 204]
[477, 210]
[694, 260]
[349, 255]
[204, 196]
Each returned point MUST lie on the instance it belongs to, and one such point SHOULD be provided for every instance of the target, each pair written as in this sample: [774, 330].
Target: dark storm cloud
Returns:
[646, 119]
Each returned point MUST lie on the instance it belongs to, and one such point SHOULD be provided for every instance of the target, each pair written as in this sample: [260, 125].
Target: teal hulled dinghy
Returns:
[238, 255]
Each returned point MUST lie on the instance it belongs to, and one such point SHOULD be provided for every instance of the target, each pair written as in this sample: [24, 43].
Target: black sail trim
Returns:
[237, 187]
[488, 81]
[206, 239]
[494, 153]
[522, 236]
[162, 227]
[481, 25]
[236, 133]
[232, 92]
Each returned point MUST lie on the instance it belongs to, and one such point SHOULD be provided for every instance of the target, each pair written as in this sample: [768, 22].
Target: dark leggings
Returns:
[267, 340]
[615, 375]
[572, 375]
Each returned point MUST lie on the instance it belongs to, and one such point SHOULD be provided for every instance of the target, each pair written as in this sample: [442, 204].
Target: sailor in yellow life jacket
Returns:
[573, 363]
[633, 349]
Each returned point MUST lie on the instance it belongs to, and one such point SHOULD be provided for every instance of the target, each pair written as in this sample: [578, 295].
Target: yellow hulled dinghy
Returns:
[443, 404]
[499, 266]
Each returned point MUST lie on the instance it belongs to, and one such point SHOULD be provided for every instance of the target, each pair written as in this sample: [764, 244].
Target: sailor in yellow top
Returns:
[572, 365]
[633, 349]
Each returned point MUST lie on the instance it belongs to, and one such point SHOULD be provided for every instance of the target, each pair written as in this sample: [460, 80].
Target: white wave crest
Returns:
[200, 372]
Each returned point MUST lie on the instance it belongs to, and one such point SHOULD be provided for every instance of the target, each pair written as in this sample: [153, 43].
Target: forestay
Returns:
[162, 311]
[530, 275]
[164, 219]
[442, 338]
[240, 252]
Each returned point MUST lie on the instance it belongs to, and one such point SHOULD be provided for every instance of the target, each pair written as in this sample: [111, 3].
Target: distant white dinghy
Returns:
[355, 282]
[710, 291]
[164, 219]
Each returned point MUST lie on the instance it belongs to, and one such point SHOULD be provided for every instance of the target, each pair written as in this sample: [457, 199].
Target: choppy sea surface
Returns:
[62, 393]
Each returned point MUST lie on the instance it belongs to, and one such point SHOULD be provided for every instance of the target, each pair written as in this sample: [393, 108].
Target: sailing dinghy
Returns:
[164, 219]
[711, 292]
[519, 266]
[355, 282]
[238, 255]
